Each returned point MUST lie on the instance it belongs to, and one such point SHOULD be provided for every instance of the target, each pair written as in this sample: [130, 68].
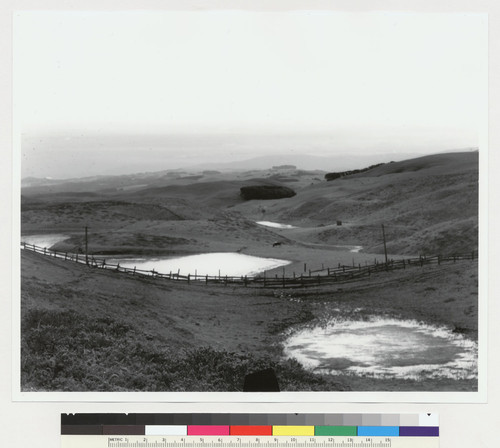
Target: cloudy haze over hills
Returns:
[111, 93]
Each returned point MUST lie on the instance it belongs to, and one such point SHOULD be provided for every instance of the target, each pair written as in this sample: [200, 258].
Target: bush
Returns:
[266, 192]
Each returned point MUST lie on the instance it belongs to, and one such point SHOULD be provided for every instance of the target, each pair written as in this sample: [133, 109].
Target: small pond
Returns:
[42, 241]
[354, 249]
[212, 264]
[384, 348]
[231, 264]
[276, 225]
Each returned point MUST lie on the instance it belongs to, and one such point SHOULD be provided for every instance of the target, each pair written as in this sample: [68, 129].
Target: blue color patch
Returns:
[378, 431]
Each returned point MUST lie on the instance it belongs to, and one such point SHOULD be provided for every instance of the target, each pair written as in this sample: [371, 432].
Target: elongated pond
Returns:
[384, 348]
[231, 264]
[275, 225]
[212, 264]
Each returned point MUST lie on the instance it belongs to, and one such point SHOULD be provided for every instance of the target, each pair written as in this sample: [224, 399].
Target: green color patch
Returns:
[335, 430]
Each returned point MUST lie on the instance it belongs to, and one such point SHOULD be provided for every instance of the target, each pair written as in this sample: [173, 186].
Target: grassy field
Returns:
[89, 329]
[81, 332]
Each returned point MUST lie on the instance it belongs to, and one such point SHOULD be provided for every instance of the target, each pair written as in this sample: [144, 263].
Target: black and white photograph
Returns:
[244, 201]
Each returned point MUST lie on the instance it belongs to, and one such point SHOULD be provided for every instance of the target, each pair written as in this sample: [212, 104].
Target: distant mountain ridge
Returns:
[308, 162]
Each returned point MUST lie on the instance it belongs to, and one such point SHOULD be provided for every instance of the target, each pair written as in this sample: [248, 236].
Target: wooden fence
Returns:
[325, 275]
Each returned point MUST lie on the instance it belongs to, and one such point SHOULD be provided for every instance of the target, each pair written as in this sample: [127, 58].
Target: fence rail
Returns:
[325, 275]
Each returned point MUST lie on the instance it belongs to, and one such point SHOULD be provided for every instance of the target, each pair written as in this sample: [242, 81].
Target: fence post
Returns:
[133, 273]
[65, 256]
[189, 278]
[103, 263]
[45, 251]
[225, 283]
[305, 267]
[206, 280]
[246, 280]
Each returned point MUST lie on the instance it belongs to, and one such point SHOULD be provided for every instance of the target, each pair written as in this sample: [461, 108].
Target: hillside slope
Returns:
[427, 205]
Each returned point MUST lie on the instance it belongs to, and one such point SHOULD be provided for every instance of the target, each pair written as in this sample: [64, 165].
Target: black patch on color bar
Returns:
[261, 381]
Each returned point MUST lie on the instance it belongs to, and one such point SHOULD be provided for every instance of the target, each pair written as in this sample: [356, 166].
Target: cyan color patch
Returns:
[378, 431]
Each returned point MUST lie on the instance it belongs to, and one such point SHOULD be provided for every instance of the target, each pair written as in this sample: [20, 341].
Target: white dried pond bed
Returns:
[384, 348]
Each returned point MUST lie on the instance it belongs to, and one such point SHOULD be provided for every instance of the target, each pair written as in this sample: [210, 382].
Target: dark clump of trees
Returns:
[266, 192]
[333, 176]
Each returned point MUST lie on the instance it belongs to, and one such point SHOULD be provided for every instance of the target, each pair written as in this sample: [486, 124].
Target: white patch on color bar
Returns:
[166, 430]
[428, 419]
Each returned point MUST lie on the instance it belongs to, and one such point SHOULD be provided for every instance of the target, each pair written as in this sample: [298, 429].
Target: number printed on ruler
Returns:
[82, 441]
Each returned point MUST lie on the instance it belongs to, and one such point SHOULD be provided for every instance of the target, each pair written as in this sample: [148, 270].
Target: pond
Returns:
[275, 225]
[384, 348]
[212, 264]
[42, 241]
[354, 249]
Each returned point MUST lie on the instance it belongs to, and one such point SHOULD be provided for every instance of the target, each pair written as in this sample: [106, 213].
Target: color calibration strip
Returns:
[357, 425]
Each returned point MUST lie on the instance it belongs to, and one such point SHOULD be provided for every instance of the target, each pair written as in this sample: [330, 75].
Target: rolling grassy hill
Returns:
[78, 323]
[428, 205]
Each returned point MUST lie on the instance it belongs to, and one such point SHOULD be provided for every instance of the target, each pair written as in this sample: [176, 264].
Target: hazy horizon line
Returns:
[226, 165]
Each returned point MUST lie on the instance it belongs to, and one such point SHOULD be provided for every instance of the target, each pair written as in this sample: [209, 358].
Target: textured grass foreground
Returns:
[65, 351]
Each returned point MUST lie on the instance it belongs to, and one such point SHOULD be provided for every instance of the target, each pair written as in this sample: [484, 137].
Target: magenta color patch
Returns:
[207, 430]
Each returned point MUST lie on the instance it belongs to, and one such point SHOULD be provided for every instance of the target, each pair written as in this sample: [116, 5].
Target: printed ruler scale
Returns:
[249, 431]
[229, 442]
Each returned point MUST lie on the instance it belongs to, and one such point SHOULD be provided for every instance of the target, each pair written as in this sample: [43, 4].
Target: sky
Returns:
[117, 92]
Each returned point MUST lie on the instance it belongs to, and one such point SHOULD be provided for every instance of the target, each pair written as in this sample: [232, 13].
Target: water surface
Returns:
[276, 225]
[384, 348]
[223, 263]
[42, 241]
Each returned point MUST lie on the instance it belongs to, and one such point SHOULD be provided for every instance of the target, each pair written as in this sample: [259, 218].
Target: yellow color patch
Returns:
[293, 430]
